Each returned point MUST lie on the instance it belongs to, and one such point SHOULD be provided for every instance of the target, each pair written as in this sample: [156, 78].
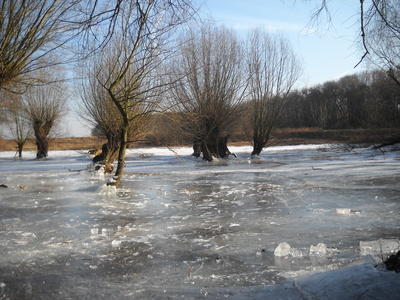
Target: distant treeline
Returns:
[366, 100]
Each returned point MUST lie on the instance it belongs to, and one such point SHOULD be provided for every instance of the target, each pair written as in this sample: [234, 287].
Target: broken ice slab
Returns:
[295, 253]
[320, 249]
[94, 231]
[343, 211]
[116, 243]
[382, 246]
[347, 211]
[284, 249]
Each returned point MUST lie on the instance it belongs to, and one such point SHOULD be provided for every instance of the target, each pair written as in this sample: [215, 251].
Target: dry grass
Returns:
[79, 143]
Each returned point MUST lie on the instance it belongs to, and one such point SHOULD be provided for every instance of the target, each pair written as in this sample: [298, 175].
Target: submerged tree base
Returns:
[257, 148]
[213, 148]
[106, 158]
[42, 147]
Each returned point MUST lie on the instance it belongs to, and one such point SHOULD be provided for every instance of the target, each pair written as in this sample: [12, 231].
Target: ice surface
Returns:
[179, 227]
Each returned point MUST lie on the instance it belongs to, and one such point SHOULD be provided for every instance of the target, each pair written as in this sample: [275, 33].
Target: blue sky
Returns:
[328, 50]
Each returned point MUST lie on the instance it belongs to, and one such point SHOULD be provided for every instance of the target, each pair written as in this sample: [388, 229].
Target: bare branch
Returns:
[363, 36]
[32, 32]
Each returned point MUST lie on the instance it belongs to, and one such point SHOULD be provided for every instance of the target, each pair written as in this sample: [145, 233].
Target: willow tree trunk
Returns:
[261, 133]
[197, 148]
[264, 121]
[109, 153]
[260, 140]
[20, 147]
[41, 132]
[121, 154]
[257, 148]
[42, 147]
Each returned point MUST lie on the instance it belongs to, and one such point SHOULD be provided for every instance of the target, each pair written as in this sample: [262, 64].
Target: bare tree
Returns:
[131, 61]
[20, 129]
[44, 106]
[273, 69]
[32, 33]
[382, 36]
[99, 110]
[209, 86]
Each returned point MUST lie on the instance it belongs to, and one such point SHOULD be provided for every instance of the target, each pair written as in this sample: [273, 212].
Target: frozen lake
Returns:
[179, 227]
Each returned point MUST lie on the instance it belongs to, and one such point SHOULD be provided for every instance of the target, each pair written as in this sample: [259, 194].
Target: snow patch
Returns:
[107, 190]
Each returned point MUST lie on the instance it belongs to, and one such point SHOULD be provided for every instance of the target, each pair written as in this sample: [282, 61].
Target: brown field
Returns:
[280, 137]
[71, 143]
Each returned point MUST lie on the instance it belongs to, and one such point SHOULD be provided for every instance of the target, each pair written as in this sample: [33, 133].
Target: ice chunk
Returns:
[116, 243]
[295, 252]
[343, 211]
[283, 249]
[382, 246]
[320, 249]
[94, 231]
[347, 211]
[107, 231]
[2, 288]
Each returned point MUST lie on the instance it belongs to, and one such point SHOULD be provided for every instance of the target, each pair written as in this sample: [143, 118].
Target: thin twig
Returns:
[362, 33]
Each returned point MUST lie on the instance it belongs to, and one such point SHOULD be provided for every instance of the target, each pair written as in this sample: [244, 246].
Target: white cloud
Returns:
[242, 23]
[343, 74]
